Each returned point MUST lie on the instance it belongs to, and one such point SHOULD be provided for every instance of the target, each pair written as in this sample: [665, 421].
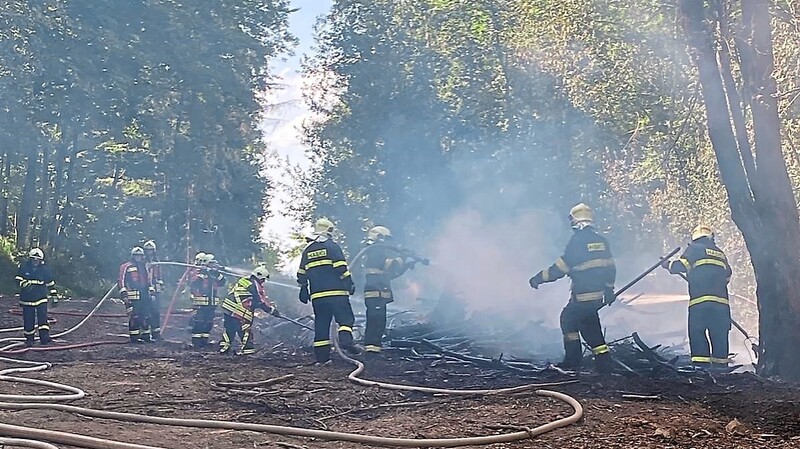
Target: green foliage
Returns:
[135, 120]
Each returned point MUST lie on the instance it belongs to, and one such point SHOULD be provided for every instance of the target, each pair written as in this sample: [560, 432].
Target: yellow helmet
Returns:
[581, 213]
[323, 226]
[36, 253]
[701, 231]
[377, 233]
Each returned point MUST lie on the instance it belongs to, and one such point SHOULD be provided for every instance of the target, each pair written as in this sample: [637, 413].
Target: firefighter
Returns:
[239, 307]
[381, 265]
[707, 270]
[205, 296]
[154, 274]
[325, 280]
[135, 290]
[588, 262]
[36, 287]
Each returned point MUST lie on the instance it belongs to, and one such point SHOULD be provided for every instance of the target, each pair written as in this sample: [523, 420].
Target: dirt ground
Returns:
[169, 379]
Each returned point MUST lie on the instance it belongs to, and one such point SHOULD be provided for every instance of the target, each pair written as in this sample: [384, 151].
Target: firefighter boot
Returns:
[322, 354]
[44, 337]
[573, 353]
[603, 363]
[28, 341]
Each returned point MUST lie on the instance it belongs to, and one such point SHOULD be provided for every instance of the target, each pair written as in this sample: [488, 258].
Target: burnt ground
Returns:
[169, 379]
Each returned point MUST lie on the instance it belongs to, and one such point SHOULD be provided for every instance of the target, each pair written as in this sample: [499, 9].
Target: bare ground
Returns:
[169, 379]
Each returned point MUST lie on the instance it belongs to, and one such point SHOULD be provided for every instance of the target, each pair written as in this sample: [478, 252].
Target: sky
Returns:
[282, 125]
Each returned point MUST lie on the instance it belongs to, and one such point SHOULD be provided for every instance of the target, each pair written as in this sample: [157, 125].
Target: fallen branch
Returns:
[376, 407]
[261, 383]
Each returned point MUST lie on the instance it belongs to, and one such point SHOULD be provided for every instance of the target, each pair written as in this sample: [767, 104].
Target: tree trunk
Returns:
[6, 192]
[767, 214]
[779, 275]
[27, 201]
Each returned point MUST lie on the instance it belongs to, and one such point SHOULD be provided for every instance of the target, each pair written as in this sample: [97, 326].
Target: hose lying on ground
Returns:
[26, 443]
[84, 441]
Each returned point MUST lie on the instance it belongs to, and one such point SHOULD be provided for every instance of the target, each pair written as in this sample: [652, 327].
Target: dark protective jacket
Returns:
[134, 282]
[588, 262]
[707, 270]
[36, 284]
[205, 287]
[244, 298]
[324, 270]
[381, 265]
[154, 273]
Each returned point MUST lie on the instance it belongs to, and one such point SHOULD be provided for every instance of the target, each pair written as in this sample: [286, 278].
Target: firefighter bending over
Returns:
[205, 296]
[135, 290]
[381, 265]
[708, 273]
[325, 281]
[588, 262]
[239, 307]
[154, 274]
[36, 287]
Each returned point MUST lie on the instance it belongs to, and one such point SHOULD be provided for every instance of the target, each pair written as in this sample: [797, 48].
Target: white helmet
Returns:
[200, 258]
[323, 226]
[149, 245]
[261, 273]
[36, 253]
[377, 233]
[137, 251]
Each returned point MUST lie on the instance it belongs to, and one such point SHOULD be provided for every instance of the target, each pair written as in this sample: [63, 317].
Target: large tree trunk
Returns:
[6, 192]
[767, 214]
[27, 201]
[779, 274]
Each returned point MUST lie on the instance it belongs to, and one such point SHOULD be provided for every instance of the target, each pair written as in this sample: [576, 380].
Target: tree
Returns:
[759, 189]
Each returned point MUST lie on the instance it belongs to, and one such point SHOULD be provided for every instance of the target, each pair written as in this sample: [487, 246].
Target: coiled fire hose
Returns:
[45, 402]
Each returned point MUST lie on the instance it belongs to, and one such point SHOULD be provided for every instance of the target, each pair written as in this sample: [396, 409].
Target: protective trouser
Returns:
[202, 323]
[155, 317]
[376, 323]
[235, 328]
[31, 316]
[581, 319]
[326, 309]
[139, 320]
[716, 319]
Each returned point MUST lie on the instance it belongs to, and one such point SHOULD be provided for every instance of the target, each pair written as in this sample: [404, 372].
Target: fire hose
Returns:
[46, 402]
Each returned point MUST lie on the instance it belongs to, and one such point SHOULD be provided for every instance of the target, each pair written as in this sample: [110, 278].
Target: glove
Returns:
[53, 301]
[665, 264]
[411, 264]
[608, 296]
[304, 295]
[274, 312]
[533, 283]
[123, 295]
[351, 287]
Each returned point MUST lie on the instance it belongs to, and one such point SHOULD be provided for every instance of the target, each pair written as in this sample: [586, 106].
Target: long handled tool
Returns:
[645, 273]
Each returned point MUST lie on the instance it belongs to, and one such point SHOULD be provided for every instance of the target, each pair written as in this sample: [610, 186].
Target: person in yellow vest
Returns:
[239, 308]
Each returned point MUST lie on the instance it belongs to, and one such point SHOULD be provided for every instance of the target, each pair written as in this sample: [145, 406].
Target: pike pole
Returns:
[645, 273]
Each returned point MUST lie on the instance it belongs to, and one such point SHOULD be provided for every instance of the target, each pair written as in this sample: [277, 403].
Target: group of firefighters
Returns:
[326, 282]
